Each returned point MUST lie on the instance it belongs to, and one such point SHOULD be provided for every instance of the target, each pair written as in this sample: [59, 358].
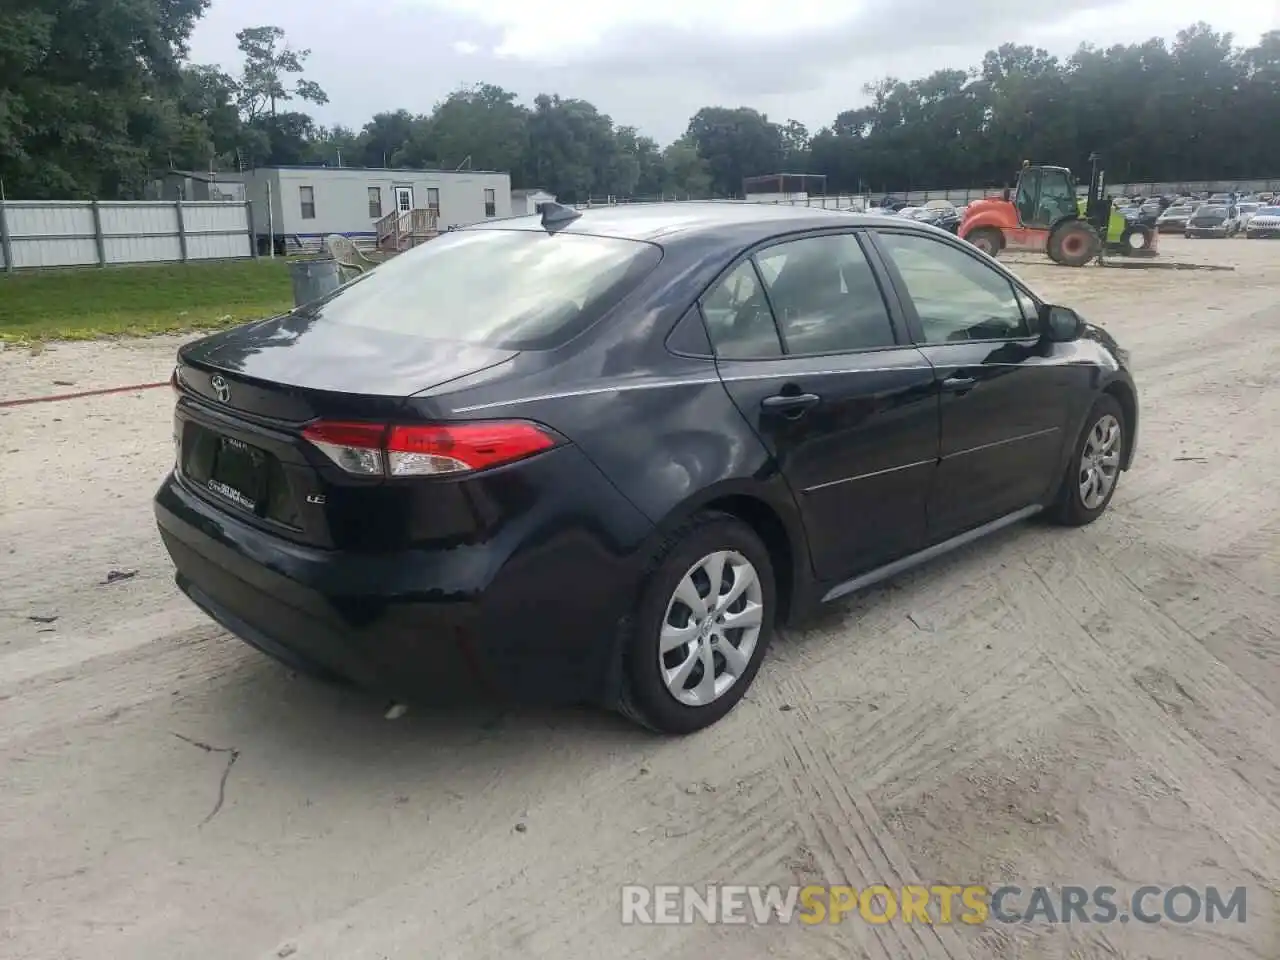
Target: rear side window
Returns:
[513, 289]
[738, 318]
[825, 296]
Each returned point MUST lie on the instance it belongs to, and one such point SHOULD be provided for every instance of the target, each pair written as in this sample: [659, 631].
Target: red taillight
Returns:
[374, 449]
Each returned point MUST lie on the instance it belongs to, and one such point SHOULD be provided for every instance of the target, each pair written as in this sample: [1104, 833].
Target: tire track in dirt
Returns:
[944, 675]
[1104, 677]
[511, 892]
[102, 688]
[851, 843]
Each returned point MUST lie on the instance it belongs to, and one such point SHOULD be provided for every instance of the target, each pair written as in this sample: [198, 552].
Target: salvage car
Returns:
[1213, 220]
[602, 455]
[1174, 219]
[1264, 223]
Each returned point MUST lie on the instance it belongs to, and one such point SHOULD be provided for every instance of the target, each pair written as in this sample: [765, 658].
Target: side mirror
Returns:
[1060, 324]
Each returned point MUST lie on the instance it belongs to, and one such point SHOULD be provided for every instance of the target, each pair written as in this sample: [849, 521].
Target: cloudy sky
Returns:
[654, 63]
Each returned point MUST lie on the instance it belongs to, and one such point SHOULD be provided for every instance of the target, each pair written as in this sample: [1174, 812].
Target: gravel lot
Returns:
[1085, 707]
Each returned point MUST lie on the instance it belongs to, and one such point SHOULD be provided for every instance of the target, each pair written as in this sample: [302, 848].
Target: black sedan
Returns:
[600, 456]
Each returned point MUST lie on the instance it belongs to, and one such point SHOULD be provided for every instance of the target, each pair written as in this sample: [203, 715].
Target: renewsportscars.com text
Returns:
[937, 904]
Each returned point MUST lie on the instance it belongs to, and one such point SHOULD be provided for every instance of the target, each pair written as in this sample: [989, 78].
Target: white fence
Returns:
[69, 233]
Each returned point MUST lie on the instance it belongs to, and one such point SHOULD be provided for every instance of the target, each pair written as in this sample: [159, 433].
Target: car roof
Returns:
[740, 220]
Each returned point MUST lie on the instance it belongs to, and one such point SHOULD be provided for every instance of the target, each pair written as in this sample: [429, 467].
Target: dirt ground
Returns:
[1047, 707]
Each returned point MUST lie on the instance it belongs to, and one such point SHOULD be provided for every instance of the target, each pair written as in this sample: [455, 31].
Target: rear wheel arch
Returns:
[782, 536]
[771, 530]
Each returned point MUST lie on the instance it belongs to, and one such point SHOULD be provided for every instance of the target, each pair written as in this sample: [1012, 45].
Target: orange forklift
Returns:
[1043, 214]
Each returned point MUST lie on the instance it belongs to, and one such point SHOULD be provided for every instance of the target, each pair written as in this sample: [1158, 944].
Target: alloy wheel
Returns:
[1100, 462]
[711, 628]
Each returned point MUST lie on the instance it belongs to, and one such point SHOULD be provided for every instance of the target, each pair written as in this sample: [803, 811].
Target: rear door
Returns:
[808, 347]
[1006, 393]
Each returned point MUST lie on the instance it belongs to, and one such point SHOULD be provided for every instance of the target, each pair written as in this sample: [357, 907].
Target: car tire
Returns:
[1070, 506]
[987, 239]
[651, 678]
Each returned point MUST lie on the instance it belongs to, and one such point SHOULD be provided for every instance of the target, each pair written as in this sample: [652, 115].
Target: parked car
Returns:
[1213, 220]
[1246, 211]
[1174, 219]
[1149, 212]
[1264, 223]
[944, 219]
[600, 455]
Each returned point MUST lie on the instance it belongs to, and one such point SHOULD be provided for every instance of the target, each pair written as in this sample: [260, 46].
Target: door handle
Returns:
[959, 384]
[790, 404]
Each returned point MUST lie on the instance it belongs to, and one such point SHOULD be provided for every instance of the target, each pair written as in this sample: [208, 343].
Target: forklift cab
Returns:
[1044, 196]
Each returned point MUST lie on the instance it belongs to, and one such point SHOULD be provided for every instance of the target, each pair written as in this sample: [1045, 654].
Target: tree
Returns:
[481, 127]
[686, 174]
[86, 91]
[95, 101]
[268, 64]
[736, 144]
[384, 137]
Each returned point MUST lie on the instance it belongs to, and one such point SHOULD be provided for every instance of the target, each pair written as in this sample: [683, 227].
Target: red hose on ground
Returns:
[83, 393]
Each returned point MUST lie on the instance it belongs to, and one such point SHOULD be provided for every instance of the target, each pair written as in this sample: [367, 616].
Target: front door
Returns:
[1005, 391]
[404, 200]
[808, 348]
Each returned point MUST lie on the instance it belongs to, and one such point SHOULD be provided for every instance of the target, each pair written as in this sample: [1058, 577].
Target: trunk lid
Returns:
[246, 394]
[295, 368]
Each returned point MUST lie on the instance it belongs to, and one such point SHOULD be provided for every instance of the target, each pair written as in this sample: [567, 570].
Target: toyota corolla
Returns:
[599, 456]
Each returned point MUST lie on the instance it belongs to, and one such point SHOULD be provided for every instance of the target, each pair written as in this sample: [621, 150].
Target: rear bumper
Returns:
[530, 614]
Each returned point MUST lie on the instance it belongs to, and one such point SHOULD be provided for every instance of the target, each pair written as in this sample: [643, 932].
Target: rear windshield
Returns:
[1269, 212]
[512, 289]
[1206, 212]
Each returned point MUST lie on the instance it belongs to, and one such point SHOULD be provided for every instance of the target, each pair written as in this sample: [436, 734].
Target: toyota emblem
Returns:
[221, 389]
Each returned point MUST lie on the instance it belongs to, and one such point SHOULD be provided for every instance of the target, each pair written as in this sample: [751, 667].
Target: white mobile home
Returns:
[309, 203]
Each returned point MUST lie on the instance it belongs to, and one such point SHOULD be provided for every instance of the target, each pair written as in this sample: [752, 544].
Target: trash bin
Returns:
[312, 279]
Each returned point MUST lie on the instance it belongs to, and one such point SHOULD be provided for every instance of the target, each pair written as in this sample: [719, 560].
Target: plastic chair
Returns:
[346, 253]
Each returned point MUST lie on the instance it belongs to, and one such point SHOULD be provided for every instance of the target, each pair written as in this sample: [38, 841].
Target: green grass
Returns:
[85, 304]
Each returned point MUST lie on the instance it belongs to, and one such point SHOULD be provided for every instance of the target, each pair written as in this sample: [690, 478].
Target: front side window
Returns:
[738, 319]
[1058, 197]
[956, 296]
[490, 203]
[307, 200]
[824, 296]
[513, 289]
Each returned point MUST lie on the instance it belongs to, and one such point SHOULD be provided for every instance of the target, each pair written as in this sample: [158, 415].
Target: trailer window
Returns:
[307, 198]
[375, 203]
[490, 203]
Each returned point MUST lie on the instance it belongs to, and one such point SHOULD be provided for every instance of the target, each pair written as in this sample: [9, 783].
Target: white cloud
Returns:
[465, 47]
